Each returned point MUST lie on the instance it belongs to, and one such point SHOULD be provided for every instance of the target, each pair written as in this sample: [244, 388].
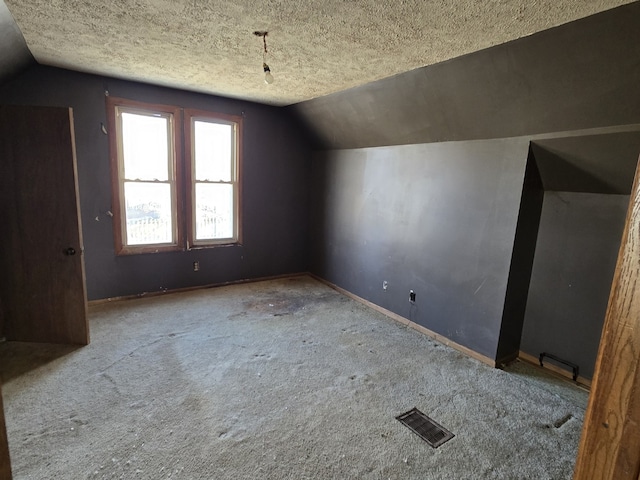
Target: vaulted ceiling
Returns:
[315, 47]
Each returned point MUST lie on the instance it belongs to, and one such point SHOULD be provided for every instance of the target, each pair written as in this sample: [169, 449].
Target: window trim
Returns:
[182, 165]
[191, 115]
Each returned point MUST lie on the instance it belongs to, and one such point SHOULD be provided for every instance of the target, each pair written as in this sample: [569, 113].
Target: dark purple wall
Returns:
[275, 181]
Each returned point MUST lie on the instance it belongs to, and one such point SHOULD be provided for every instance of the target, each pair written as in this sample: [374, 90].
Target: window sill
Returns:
[146, 250]
[214, 245]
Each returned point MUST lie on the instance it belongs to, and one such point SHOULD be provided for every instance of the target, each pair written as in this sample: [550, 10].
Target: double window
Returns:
[175, 177]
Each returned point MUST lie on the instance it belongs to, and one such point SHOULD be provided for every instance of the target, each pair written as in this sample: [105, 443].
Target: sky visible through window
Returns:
[213, 151]
[213, 163]
[145, 145]
[147, 173]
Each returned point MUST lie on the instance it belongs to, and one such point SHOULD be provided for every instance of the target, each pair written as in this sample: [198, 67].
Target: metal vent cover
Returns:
[430, 431]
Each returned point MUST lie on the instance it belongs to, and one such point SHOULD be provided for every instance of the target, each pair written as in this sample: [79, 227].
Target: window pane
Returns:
[214, 211]
[148, 213]
[145, 147]
[213, 151]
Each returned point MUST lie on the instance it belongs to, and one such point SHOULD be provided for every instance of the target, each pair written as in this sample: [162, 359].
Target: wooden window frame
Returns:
[182, 166]
[191, 116]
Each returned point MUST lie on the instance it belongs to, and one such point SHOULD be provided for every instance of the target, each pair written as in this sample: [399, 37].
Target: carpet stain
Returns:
[276, 306]
[192, 386]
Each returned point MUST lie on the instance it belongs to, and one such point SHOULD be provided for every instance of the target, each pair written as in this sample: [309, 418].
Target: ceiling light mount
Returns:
[268, 77]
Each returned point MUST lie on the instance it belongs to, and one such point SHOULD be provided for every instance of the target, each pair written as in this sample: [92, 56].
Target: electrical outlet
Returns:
[385, 284]
[196, 266]
[412, 296]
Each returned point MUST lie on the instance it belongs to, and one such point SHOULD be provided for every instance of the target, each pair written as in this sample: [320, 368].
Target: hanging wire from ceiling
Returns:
[268, 77]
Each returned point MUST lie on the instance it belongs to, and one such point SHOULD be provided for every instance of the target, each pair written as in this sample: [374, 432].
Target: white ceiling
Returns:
[316, 47]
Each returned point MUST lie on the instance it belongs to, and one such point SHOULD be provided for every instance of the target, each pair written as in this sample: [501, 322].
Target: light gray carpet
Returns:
[284, 379]
[551, 382]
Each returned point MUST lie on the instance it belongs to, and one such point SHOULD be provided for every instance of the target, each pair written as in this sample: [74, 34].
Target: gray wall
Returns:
[275, 184]
[441, 217]
[524, 248]
[604, 163]
[583, 74]
[436, 218]
[573, 268]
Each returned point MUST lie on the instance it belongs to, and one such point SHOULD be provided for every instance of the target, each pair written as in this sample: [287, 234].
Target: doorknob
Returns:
[70, 251]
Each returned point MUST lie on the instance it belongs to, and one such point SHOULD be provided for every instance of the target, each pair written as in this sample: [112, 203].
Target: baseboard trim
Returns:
[408, 323]
[394, 316]
[190, 289]
[565, 374]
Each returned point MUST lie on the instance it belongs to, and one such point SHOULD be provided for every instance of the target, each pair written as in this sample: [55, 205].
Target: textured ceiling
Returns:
[316, 47]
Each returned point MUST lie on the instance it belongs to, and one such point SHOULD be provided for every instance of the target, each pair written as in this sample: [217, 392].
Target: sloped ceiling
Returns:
[315, 47]
[593, 163]
[580, 75]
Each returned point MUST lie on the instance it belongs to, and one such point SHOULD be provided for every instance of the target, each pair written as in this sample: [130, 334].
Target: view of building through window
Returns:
[147, 173]
[213, 190]
[177, 177]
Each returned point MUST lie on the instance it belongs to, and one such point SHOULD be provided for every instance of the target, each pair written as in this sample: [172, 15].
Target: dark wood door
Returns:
[42, 291]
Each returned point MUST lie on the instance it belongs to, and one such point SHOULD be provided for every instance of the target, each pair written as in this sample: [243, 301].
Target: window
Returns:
[168, 195]
[212, 180]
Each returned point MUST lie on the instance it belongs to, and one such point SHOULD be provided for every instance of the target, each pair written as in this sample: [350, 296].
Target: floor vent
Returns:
[430, 431]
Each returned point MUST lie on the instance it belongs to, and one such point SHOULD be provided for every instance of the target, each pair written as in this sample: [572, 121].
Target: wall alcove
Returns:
[579, 187]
